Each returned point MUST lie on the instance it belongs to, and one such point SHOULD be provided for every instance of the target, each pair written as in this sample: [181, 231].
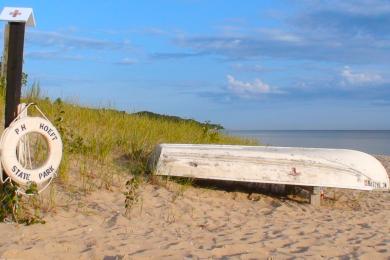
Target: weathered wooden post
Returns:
[315, 196]
[14, 71]
[17, 19]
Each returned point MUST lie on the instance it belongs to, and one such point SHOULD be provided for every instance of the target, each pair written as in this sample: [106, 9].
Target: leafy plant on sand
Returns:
[132, 193]
[18, 209]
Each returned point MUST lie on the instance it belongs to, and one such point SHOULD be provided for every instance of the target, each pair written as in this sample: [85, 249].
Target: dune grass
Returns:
[110, 136]
[103, 147]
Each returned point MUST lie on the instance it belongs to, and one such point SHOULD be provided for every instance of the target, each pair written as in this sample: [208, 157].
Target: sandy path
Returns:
[203, 224]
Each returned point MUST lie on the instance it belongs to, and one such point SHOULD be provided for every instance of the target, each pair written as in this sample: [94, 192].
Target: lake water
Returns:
[369, 141]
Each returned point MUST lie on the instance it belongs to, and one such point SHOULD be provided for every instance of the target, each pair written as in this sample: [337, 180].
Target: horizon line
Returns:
[307, 129]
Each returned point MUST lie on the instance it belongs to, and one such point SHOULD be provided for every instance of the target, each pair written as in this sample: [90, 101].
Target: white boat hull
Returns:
[337, 168]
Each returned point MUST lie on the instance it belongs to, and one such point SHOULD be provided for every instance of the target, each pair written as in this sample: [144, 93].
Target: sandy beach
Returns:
[200, 223]
[111, 109]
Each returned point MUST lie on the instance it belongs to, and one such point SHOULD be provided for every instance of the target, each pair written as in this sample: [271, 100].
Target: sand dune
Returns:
[201, 223]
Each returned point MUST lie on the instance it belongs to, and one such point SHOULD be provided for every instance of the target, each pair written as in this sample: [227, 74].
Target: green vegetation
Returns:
[178, 119]
[104, 148]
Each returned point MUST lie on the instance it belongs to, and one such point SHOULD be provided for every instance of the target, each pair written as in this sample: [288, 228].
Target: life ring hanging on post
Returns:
[9, 143]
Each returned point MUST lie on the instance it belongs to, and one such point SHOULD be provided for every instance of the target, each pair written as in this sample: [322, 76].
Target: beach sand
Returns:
[177, 222]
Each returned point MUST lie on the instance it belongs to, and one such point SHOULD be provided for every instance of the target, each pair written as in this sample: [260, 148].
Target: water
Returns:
[369, 141]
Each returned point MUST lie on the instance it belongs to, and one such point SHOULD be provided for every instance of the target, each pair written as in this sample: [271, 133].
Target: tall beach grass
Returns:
[103, 147]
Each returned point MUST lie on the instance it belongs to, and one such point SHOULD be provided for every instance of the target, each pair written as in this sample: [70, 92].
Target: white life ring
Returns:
[9, 142]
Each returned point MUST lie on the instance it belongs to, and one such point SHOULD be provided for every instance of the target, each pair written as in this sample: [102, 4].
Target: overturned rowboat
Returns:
[317, 167]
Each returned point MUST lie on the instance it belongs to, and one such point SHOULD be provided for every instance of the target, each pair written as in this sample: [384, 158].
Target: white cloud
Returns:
[281, 36]
[127, 61]
[360, 7]
[350, 77]
[52, 55]
[249, 89]
[248, 68]
[67, 41]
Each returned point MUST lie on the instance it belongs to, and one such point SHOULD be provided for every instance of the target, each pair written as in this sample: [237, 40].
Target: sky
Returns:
[244, 64]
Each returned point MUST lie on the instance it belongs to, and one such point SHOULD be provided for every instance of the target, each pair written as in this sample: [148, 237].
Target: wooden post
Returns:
[14, 71]
[315, 197]
[17, 19]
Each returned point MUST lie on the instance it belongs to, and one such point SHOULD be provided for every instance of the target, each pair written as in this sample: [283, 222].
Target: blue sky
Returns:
[244, 64]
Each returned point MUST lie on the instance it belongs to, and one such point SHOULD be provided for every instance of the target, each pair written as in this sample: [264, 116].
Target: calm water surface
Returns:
[369, 141]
